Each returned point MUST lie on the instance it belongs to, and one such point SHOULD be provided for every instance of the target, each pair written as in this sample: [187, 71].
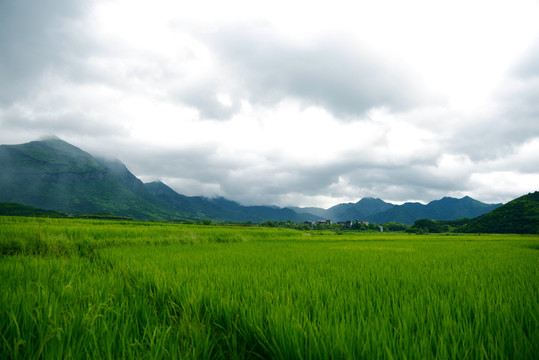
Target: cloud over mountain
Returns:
[303, 104]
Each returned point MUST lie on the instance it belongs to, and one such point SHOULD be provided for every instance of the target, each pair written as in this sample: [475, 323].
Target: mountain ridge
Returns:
[52, 174]
[379, 211]
[55, 175]
[519, 216]
[216, 208]
[447, 208]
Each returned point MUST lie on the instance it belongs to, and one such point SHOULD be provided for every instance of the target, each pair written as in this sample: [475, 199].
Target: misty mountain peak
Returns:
[49, 137]
[54, 174]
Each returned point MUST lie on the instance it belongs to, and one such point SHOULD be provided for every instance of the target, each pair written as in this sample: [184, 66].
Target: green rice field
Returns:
[125, 290]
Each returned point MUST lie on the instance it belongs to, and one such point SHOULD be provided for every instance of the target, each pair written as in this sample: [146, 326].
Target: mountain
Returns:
[406, 213]
[221, 208]
[379, 211]
[55, 175]
[13, 209]
[519, 216]
[52, 174]
[360, 210]
[315, 211]
[261, 213]
[348, 211]
[447, 208]
[192, 207]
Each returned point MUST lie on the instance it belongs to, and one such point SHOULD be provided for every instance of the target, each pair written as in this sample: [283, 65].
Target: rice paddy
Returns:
[108, 289]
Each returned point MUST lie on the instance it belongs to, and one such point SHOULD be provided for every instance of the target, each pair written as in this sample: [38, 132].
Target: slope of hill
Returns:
[13, 209]
[195, 207]
[520, 216]
[52, 174]
[319, 212]
[379, 211]
[447, 208]
[221, 208]
[348, 211]
[359, 210]
[406, 213]
[450, 208]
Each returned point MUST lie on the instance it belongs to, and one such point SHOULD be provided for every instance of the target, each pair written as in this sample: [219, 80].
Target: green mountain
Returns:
[194, 207]
[13, 209]
[520, 216]
[406, 213]
[54, 175]
[265, 213]
[447, 208]
[380, 212]
[359, 210]
[221, 208]
[348, 211]
[315, 211]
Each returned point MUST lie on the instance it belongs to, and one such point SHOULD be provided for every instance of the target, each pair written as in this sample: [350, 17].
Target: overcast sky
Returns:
[284, 102]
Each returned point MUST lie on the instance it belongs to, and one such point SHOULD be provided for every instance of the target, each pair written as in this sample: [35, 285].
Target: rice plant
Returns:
[105, 289]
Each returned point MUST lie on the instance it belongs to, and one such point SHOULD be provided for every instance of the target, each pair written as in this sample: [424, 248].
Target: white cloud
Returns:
[504, 185]
[285, 102]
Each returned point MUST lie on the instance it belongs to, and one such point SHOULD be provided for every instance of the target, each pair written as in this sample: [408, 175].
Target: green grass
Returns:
[104, 289]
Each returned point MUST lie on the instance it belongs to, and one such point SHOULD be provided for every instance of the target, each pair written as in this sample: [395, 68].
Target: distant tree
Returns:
[356, 225]
[425, 226]
[373, 226]
[304, 226]
[395, 226]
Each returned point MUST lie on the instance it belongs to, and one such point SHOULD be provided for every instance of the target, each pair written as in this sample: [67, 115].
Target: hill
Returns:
[13, 209]
[54, 175]
[380, 212]
[519, 216]
[447, 208]
[221, 208]
[348, 211]
[359, 210]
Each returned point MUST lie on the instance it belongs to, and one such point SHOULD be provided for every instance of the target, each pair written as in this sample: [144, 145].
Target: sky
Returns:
[289, 103]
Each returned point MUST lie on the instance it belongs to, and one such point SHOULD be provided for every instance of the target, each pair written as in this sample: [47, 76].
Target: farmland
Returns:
[110, 289]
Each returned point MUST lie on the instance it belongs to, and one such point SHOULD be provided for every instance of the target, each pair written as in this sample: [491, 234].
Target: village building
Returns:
[324, 222]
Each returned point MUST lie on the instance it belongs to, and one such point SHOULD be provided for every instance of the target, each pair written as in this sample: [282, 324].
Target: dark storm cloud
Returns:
[36, 37]
[336, 73]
